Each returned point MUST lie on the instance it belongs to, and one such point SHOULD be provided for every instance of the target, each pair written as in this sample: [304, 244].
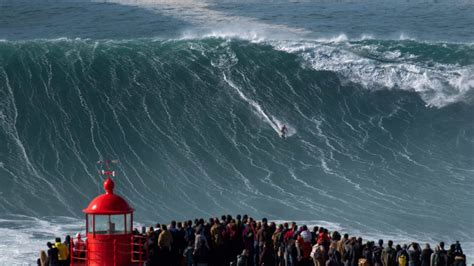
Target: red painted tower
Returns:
[109, 221]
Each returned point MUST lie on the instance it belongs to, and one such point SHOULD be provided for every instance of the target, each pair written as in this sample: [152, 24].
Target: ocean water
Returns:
[378, 97]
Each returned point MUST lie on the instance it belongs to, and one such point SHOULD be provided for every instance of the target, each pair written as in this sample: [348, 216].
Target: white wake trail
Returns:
[272, 121]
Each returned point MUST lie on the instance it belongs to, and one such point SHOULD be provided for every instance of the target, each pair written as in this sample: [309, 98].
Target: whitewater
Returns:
[190, 96]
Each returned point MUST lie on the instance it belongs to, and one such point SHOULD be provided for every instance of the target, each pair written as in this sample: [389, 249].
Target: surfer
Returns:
[283, 131]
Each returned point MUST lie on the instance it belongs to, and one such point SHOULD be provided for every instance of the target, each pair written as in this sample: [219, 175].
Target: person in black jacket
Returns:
[426, 255]
[358, 248]
[367, 252]
[377, 254]
[52, 255]
[334, 257]
[414, 254]
[350, 254]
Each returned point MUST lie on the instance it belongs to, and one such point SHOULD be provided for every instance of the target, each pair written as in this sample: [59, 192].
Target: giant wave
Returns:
[382, 131]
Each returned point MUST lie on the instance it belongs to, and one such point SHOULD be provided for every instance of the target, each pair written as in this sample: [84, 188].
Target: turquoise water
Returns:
[189, 96]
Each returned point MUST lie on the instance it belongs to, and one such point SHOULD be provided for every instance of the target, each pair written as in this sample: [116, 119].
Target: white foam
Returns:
[228, 33]
[438, 84]
[291, 130]
[334, 39]
[28, 236]
[404, 36]
[364, 37]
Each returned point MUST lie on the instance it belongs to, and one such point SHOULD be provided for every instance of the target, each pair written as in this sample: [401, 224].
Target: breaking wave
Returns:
[195, 125]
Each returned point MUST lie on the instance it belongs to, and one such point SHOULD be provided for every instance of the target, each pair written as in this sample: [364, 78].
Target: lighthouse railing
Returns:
[78, 255]
[94, 254]
[139, 254]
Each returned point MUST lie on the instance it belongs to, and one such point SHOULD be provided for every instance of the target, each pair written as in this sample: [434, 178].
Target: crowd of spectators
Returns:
[243, 241]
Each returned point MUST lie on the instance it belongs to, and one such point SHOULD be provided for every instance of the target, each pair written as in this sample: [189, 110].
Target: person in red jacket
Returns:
[303, 245]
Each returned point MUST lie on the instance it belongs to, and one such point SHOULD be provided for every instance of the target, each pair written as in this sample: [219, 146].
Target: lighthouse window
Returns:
[117, 224]
[101, 224]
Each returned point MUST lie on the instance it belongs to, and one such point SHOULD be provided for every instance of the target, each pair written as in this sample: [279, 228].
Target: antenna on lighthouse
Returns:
[105, 167]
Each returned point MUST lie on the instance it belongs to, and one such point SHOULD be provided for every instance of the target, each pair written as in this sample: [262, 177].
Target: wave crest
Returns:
[377, 67]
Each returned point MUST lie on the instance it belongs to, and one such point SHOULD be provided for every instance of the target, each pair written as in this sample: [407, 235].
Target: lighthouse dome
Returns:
[108, 203]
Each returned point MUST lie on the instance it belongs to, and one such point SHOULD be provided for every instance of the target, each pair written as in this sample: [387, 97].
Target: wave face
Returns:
[381, 132]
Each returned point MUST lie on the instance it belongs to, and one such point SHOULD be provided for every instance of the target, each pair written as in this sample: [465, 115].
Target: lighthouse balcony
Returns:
[133, 246]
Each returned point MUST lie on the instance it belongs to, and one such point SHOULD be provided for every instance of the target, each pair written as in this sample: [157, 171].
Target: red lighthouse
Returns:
[109, 221]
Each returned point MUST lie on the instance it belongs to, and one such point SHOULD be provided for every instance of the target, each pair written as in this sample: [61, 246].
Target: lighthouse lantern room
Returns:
[109, 221]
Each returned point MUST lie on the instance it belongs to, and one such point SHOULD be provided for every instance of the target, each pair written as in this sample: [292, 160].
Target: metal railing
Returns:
[78, 256]
[138, 246]
[139, 253]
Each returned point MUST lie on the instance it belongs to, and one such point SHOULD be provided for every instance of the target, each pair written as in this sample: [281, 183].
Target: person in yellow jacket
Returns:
[165, 239]
[63, 252]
